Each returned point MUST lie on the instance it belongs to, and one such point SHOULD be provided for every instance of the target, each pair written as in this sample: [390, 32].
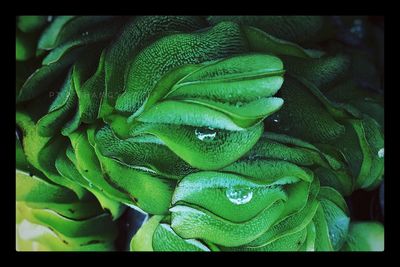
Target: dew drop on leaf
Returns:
[205, 134]
[381, 153]
[239, 196]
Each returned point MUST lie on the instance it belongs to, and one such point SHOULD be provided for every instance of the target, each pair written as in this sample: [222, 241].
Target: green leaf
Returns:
[49, 36]
[291, 242]
[303, 111]
[34, 189]
[135, 35]
[65, 28]
[365, 236]
[165, 239]
[340, 180]
[287, 148]
[145, 189]
[164, 85]
[21, 162]
[291, 224]
[269, 171]
[59, 110]
[309, 244]
[263, 42]
[322, 72]
[31, 23]
[68, 170]
[211, 191]
[231, 210]
[72, 125]
[362, 147]
[203, 148]
[191, 223]
[322, 240]
[24, 46]
[290, 28]
[183, 113]
[142, 151]
[335, 197]
[36, 237]
[368, 102]
[99, 227]
[171, 52]
[89, 167]
[96, 38]
[244, 115]
[143, 239]
[336, 215]
[23, 69]
[91, 92]
[44, 78]
[240, 87]
[41, 152]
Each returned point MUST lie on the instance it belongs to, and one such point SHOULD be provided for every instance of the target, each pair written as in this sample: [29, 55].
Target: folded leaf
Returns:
[59, 111]
[165, 239]
[68, 170]
[143, 239]
[263, 42]
[202, 147]
[145, 189]
[190, 223]
[227, 195]
[290, 28]
[231, 210]
[135, 35]
[43, 78]
[150, 64]
[303, 111]
[89, 167]
[322, 72]
[336, 215]
[41, 152]
[142, 151]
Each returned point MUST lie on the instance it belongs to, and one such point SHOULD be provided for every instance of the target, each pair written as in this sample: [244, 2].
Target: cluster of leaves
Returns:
[228, 132]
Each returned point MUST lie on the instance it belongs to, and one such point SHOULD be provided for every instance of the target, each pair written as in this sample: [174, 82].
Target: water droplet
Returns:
[49, 18]
[276, 120]
[239, 104]
[239, 196]
[381, 153]
[85, 33]
[205, 134]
